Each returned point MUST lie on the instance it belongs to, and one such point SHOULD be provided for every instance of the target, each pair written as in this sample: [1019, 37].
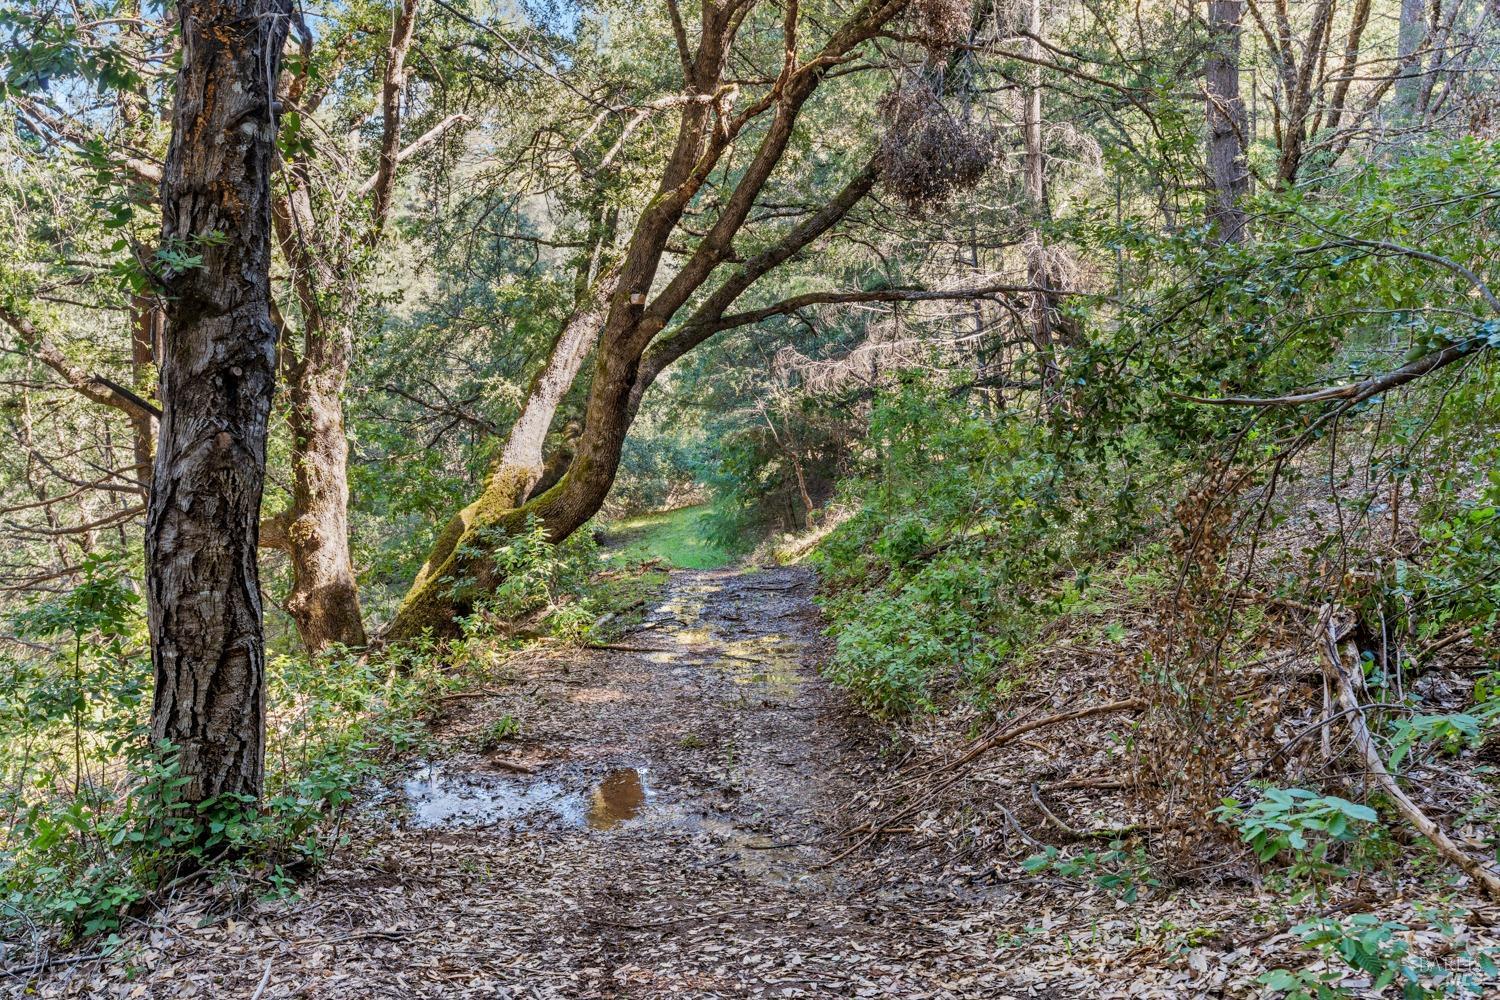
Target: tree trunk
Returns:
[145, 311]
[145, 333]
[323, 600]
[522, 460]
[1038, 274]
[327, 264]
[1303, 88]
[1225, 113]
[630, 323]
[433, 602]
[1411, 36]
[324, 597]
[218, 373]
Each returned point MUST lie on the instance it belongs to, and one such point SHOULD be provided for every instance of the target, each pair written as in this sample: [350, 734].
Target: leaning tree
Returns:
[746, 82]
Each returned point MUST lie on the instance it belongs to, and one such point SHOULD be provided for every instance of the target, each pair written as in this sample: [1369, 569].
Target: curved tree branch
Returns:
[95, 388]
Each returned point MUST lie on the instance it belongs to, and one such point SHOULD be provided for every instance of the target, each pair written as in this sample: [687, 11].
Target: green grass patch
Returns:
[680, 538]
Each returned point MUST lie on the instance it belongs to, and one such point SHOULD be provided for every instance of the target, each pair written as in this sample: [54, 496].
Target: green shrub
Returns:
[1117, 871]
[972, 533]
[1299, 824]
[1366, 944]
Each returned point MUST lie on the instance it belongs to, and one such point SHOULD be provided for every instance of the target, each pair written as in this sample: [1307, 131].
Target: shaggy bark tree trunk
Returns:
[218, 372]
[323, 600]
[314, 531]
[1225, 113]
[324, 597]
[1038, 274]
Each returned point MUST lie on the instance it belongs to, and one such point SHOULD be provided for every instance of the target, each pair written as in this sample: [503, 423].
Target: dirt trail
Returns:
[658, 826]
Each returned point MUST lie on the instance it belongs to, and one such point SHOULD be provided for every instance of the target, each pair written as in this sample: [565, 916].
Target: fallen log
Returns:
[1351, 685]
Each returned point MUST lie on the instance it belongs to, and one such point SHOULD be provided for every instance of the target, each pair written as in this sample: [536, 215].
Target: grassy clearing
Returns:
[679, 538]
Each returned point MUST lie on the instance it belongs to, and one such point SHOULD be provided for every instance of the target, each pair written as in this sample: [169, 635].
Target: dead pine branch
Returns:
[1006, 736]
[1350, 683]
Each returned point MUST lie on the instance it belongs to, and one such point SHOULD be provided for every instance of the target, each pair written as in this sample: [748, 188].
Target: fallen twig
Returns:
[1103, 833]
[984, 745]
[510, 765]
[460, 695]
[1438, 645]
[621, 647]
[355, 936]
[1351, 685]
[265, 979]
[1000, 739]
[1050, 817]
[1101, 784]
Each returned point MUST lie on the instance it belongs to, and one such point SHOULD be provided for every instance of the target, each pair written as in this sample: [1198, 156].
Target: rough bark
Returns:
[324, 597]
[326, 262]
[1225, 112]
[218, 373]
[323, 600]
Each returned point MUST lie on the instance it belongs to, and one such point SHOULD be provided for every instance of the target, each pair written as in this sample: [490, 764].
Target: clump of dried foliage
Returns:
[928, 153]
[1191, 732]
[941, 25]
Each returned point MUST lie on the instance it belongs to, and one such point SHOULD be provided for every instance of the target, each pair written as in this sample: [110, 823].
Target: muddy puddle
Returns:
[688, 634]
[772, 660]
[719, 649]
[445, 795]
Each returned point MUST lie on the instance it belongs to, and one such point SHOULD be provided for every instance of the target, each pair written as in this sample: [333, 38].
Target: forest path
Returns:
[661, 823]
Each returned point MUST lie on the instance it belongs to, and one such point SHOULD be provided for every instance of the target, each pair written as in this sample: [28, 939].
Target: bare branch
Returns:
[426, 139]
[1355, 392]
[92, 387]
[392, 91]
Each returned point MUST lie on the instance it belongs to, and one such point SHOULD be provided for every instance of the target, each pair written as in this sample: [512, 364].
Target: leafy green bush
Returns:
[1366, 944]
[539, 581]
[973, 532]
[94, 817]
[1300, 824]
[1116, 870]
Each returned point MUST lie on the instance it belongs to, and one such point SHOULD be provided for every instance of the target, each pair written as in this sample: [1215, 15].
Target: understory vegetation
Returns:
[96, 826]
[680, 539]
[1121, 367]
